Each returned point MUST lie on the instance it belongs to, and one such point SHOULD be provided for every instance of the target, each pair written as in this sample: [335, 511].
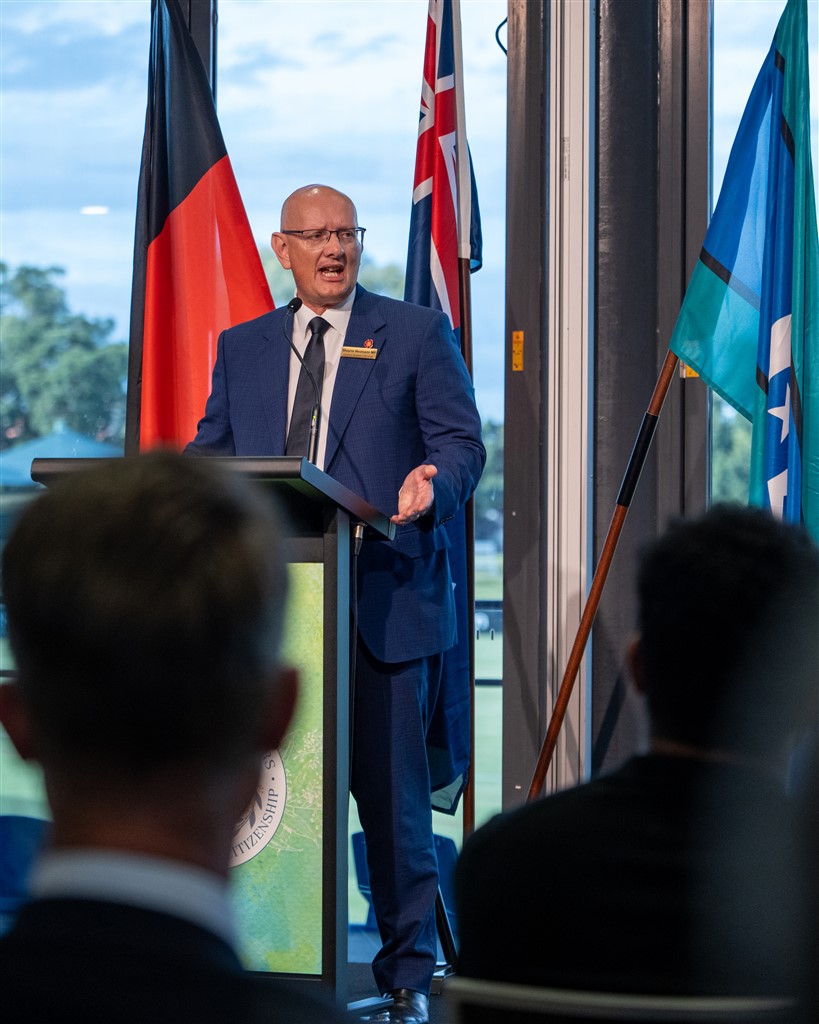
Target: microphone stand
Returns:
[315, 419]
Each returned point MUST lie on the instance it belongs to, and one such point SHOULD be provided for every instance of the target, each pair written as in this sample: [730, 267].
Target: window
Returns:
[73, 87]
[338, 102]
[305, 91]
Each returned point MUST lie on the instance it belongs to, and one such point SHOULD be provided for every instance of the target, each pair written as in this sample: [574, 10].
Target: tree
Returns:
[57, 365]
[730, 454]
[386, 279]
[489, 496]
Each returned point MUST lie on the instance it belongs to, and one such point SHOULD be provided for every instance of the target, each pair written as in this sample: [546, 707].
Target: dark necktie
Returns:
[298, 437]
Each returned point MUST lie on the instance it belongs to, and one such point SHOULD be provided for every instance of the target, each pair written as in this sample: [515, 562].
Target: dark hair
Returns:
[728, 609]
[145, 601]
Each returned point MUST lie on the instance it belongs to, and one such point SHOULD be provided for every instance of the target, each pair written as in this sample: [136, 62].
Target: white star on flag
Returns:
[783, 412]
[777, 492]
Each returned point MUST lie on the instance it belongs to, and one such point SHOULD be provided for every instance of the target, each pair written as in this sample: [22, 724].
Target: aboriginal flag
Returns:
[197, 269]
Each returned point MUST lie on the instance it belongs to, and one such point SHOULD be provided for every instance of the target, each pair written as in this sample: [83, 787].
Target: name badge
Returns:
[358, 352]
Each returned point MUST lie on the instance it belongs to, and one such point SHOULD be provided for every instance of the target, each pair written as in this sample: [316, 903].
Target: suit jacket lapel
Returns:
[274, 372]
[366, 322]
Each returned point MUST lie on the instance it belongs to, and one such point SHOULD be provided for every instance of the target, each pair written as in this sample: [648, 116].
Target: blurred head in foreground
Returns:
[728, 658]
[728, 648]
[145, 603]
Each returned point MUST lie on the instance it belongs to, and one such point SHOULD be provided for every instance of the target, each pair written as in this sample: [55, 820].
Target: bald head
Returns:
[309, 196]
[325, 270]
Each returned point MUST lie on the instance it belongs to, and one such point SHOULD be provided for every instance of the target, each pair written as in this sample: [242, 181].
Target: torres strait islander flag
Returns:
[197, 269]
[749, 324]
[445, 227]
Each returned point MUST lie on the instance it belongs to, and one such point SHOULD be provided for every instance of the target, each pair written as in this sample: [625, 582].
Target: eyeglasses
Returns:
[315, 238]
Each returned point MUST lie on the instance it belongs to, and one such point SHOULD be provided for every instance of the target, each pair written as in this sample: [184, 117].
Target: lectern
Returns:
[289, 874]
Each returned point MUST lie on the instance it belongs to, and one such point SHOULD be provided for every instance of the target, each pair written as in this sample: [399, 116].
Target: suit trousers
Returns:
[390, 782]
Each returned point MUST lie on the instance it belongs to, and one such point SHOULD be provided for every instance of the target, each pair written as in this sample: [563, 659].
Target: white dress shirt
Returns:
[338, 318]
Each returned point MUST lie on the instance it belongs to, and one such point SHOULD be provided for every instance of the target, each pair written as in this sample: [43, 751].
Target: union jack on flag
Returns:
[445, 222]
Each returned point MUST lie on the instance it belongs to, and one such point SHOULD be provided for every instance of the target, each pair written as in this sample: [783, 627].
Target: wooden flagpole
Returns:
[627, 488]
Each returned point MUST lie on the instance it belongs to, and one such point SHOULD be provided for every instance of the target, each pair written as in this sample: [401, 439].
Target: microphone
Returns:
[293, 306]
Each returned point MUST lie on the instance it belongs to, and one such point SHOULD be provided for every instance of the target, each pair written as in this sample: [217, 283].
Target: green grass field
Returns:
[487, 788]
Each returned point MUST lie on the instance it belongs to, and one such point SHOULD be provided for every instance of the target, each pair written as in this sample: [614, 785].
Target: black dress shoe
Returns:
[408, 1007]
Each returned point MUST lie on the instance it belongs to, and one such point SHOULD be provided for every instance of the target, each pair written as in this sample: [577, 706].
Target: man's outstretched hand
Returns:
[416, 495]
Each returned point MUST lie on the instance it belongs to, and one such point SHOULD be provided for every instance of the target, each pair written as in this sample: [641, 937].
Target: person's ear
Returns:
[281, 706]
[278, 243]
[15, 720]
[634, 659]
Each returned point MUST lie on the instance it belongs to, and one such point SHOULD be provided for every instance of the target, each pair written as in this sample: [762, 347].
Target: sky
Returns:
[307, 90]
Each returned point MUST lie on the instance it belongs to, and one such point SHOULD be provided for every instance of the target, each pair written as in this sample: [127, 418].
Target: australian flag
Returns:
[445, 228]
[749, 324]
[445, 223]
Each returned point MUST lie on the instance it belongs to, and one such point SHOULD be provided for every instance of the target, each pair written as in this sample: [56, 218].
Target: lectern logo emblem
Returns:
[259, 823]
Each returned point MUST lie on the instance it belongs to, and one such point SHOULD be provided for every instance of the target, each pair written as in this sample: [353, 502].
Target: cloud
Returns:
[67, 149]
[307, 90]
[743, 32]
[53, 64]
[96, 252]
[342, 105]
[65, 17]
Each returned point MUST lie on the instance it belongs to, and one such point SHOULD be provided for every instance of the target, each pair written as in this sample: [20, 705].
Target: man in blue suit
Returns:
[398, 425]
